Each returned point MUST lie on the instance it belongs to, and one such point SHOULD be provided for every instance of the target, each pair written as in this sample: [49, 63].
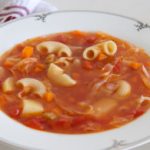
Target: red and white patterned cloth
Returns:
[12, 9]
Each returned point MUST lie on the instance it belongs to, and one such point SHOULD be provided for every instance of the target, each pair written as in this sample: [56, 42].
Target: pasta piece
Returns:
[50, 115]
[63, 61]
[36, 85]
[85, 108]
[50, 58]
[57, 75]
[55, 47]
[109, 48]
[76, 62]
[8, 85]
[91, 52]
[78, 108]
[124, 88]
[31, 107]
[103, 106]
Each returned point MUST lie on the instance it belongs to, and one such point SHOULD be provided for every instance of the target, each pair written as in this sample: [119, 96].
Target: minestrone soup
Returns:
[75, 82]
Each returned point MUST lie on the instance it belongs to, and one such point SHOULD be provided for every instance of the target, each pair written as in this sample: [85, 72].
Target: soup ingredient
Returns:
[8, 85]
[25, 66]
[124, 88]
[103, 106]
[31, 107]
[27, 52]
[54, 47]
[36, 86]
[101, 56]
[49, 96]
[57, 75]
[108, 47]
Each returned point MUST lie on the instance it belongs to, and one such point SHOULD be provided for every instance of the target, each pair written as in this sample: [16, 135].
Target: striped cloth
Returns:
[12, 9]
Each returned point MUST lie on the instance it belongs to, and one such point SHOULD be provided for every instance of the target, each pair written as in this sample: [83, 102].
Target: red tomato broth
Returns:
[71, 104]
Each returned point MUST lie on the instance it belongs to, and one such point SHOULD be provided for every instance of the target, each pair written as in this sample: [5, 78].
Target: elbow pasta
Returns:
[50, 58]
[55, 47]
[37, 86]
[57, 75]
[103, 106]
[124, 88]
[31, 107]
[64, 61]
[8, 85]
[91, 52]
[107, 47]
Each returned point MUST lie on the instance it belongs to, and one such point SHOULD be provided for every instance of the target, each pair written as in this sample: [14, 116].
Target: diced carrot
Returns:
[39, 68]
[101, 56]
[148, 64]
[135, 65]
[8, 64]
[87, 65]
[57, 111]
[78, 33]
[27, 52]
[75, 75]
[49, 96]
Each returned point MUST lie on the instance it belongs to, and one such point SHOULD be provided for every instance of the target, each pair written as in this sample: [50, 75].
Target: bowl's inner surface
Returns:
[75, 82]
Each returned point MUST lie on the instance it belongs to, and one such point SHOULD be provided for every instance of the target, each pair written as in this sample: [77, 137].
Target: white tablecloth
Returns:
[139, 9]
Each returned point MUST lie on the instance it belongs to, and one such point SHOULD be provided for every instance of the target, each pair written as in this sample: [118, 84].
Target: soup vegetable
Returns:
[75, 82]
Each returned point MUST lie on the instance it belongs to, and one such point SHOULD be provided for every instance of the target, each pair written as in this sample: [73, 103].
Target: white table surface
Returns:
[139, 9]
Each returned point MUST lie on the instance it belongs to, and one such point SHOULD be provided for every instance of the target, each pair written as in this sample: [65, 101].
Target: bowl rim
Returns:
[130, 146]
[68, 11]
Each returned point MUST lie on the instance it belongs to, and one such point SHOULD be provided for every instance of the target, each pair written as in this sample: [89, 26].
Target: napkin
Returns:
[12, 9]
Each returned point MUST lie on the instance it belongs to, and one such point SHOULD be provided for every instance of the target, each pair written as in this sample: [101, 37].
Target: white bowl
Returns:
[129, 136]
